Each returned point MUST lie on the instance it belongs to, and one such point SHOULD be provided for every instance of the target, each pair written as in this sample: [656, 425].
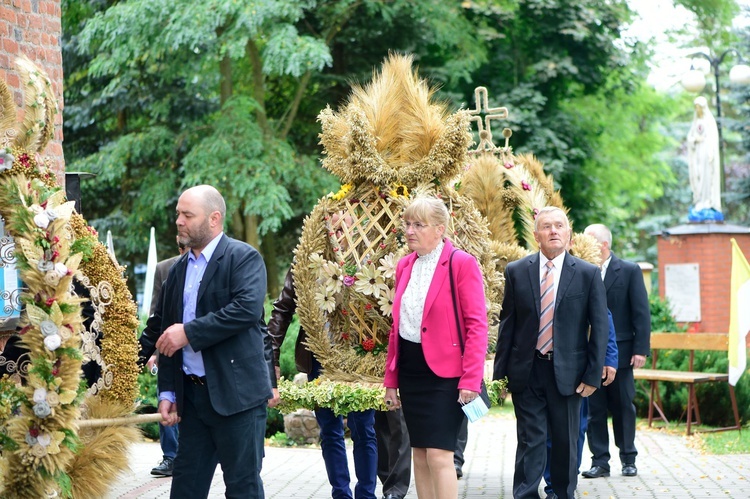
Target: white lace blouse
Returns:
[412, 301]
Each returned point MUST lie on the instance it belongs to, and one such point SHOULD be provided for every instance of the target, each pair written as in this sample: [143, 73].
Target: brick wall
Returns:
[713, 252]
[32, 28]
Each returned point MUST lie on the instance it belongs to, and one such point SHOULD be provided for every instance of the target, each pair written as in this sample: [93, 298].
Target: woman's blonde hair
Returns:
[427, 210]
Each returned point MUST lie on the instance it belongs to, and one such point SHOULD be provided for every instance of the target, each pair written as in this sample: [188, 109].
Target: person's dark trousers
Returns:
[540, 404]
[168, 441]
[581, 438]
[461, 438]
[616, 398]
[365, 453]
[394, 452]
[361, 425]
[207, 438]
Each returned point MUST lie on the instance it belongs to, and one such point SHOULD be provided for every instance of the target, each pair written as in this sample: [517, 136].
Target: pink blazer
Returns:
[440, 343]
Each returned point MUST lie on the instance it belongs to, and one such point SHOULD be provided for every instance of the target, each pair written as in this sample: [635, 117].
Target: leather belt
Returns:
[196, 380]
[543, 356]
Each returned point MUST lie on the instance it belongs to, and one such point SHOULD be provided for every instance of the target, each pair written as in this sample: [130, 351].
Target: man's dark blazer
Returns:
[149, 336]
[160, 275]
[580, 303]
[228, 328]
[628, 301]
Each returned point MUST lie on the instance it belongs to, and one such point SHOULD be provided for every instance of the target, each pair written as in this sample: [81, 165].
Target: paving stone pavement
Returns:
[667, 468]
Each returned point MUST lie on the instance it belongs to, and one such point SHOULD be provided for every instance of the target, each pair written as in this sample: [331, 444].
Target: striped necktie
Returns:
[547, 289]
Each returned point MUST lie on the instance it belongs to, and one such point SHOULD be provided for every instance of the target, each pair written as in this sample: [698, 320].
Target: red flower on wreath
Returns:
[368, 345]
[525, 185]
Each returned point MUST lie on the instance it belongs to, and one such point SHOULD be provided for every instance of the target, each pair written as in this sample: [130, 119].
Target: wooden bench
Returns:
[691, 342]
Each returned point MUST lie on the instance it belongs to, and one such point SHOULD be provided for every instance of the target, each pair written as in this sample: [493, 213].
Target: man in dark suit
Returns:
[549, 356]
[628, 300]
[167, 434]
[216, 370]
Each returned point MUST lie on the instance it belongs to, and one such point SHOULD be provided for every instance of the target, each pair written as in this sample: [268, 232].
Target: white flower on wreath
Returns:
[332, 276]
[388, 266]
[369, 281]
[42, 409]
[48, 328]
[386, 301]
[36, 209]
[6, 161]
[44, 439]
[54, 275]
[316, 262]
[53, 342]
[40, 395]
[325, 300]
[41, 220]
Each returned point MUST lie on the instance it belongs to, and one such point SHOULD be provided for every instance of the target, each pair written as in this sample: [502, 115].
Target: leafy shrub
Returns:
[148, 402]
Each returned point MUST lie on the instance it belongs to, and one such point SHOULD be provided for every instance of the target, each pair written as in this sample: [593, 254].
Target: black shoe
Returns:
[459, 472]
[595, 472]
[164, 468]
[393, 496]
[629, 470]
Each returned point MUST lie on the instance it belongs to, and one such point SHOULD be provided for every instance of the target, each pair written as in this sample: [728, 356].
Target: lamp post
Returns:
[694, 81]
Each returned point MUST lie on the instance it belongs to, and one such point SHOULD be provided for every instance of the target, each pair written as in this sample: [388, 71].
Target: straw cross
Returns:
[485, 126]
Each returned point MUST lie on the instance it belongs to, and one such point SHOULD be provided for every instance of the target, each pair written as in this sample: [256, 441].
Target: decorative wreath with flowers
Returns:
[41, 451]
[390, 143]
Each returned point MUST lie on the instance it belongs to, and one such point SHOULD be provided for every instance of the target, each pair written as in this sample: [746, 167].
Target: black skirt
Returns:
[430, 403]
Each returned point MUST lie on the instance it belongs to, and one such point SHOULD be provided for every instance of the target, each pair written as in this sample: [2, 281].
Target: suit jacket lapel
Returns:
[179, 287]
[213, 266]
[613, 271]
[534, 282]
[566, 276]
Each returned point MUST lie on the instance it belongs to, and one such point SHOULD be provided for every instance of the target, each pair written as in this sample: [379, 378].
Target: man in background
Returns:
[167, 434]
[627, 299]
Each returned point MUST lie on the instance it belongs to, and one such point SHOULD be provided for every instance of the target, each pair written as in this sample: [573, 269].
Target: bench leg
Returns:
[655, 403]
[696, 407]
[651, 403]
[734, 408]
[690, 406]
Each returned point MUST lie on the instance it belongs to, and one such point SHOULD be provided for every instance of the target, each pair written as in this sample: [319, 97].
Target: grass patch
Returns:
[717, 443]
[722, 442]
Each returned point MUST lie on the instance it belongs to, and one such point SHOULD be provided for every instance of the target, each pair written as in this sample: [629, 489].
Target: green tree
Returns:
[271, 56]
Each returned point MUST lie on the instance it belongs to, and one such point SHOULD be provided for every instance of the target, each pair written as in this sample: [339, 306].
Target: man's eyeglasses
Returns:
[414, 225]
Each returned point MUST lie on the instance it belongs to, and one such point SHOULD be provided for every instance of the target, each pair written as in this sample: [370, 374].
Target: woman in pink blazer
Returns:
[425, 370]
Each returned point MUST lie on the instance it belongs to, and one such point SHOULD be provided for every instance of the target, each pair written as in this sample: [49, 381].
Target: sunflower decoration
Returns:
[389, 143]
[39, 439]
[509, 190]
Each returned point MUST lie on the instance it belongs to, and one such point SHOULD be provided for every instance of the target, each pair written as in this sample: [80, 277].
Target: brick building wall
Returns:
[33, 28]
[713, 252]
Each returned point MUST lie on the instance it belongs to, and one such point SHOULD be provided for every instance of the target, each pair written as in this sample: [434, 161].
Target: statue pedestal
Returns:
[695, 265]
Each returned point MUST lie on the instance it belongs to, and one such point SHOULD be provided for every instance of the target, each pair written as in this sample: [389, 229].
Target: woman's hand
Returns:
[466, 396]
[392, 402]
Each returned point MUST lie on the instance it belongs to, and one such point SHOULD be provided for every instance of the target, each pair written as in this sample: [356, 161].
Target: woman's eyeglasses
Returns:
[418, 226]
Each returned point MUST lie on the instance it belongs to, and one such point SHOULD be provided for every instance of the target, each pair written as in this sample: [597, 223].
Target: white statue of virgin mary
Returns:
[703, 159]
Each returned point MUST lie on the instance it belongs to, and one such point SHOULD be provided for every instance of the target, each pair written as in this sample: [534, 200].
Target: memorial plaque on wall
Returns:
[682, 284]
